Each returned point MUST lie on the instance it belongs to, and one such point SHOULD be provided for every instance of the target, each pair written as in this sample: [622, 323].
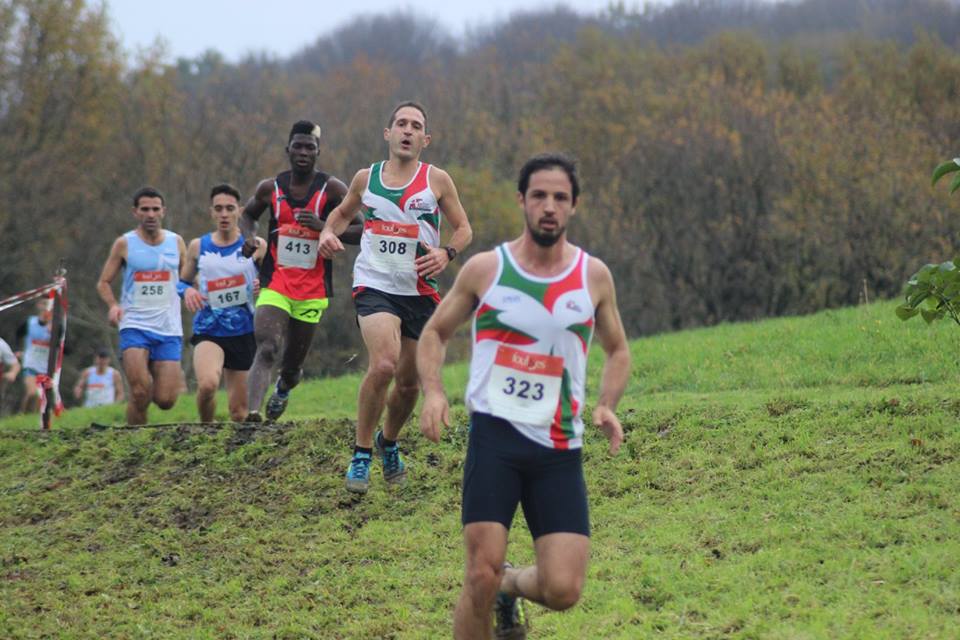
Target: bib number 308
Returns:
[525, 387]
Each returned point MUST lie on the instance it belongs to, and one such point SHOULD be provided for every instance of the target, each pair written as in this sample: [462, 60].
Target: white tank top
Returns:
[100, 388]
[531, 336]
[149, 296]
[397, 221]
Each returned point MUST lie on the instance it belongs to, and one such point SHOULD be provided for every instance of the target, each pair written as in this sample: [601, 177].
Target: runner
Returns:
[148, 314]
[222, 299]
[295, 284]
[100, 384]
[35, 333]
[394, 279]
[535, 302]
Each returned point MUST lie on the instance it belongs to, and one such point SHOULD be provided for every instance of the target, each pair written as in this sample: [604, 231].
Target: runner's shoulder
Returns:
[479, 268]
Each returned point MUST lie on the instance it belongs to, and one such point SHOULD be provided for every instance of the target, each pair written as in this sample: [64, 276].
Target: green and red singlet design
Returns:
[531, 336]
[398, 222]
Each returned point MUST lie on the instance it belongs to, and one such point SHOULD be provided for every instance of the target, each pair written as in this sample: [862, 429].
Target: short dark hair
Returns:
[407, 103]
[147, 192]
[543, 161]
[103, 352]
[307, 127]
[227, 188]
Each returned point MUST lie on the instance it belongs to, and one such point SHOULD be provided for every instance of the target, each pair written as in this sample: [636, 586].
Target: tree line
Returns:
[738, 160]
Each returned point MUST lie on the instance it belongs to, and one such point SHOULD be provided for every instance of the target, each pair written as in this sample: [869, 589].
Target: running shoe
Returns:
[253, 416]
[510, 618]
[394, 471]
[276, 405]
[358, 473]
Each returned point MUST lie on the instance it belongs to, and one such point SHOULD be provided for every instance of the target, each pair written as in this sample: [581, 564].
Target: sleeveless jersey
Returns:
[531, 336]
[292, 266]
[36, 347]
[397, 222]
[149, 295]
[100, 388]
[225, 280]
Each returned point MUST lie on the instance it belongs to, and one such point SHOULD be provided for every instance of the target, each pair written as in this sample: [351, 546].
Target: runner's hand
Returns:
[434, 411]
[192, 299]
[115, 315]
[432, 262]
[306, 218]
[10, 375]
[329, 244]
[606, 420]
[249, 247]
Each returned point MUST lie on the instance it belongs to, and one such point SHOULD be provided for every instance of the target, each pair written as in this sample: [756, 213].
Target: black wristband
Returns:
[451, 252]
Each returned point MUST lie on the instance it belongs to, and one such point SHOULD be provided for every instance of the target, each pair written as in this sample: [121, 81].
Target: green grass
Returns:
[793, 478]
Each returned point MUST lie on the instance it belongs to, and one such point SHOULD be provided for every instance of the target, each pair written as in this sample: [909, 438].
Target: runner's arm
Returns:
[118, 253]
[340, 218]
[338, 192]
[453, 210]
[10, 361]
[613, 340]
[454, 310]
[81, 383]
[436, 259]
[256, 205]
[188, 272]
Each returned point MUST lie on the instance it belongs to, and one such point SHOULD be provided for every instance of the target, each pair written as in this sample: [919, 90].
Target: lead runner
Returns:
[535, 302]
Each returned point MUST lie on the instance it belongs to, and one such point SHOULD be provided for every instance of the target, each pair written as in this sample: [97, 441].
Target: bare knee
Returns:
[165, 402]
[207, 387]
[560, 597]
[268, 349]
[407, 389]
[140, 395]
[483, 580]
[382, 370]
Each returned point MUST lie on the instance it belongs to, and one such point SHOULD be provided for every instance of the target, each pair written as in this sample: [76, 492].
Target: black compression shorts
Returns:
[504, 469]
[238, 351]
[413, 311]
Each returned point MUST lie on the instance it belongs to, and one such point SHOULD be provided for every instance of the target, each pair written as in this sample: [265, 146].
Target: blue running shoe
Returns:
[277, 404]
[394, 471]
[358, 473]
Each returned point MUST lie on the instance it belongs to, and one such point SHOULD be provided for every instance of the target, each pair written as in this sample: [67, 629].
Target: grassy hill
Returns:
[793, 478]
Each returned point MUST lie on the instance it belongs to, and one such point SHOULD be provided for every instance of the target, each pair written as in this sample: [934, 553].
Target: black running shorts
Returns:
[413, 311]
[238, 351]
[504, 468]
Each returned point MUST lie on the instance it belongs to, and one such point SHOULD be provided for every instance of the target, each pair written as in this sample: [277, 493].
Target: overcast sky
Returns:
[281, 27]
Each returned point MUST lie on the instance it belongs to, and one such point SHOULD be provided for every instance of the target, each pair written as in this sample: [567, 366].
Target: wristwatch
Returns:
[451, 252]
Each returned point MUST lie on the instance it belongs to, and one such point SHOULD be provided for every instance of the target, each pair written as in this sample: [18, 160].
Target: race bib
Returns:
[525, 387]
[297, 247]
[227, 292]
[152, 288]
[98, 395]
[393, 245]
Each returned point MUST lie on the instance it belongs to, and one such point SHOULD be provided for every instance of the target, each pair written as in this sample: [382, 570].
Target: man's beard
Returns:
[544, 239]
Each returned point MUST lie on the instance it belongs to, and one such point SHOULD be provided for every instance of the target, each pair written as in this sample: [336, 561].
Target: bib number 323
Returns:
[525, 387]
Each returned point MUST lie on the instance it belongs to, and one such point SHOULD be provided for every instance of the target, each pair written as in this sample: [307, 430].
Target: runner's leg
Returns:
[167, 382]
[236, 383]
[30, 402]
[486, 549]
[556, 581]
[299, 339]
[270, 325]
[381, 336]
[403, 396]
[137, 370]
[208, 365]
